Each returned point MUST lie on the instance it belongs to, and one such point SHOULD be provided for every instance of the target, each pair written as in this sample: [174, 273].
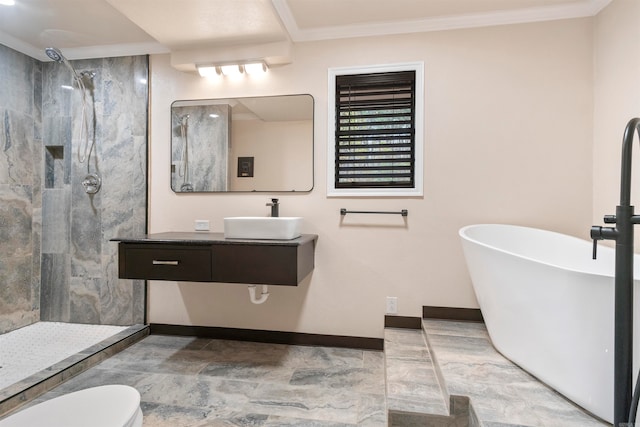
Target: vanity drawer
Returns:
[154, 262]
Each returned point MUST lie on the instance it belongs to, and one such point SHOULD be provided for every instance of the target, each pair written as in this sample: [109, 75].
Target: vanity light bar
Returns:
[211, 70]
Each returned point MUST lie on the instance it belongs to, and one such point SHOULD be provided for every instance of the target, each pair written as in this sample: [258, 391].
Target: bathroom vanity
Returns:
[210, 257]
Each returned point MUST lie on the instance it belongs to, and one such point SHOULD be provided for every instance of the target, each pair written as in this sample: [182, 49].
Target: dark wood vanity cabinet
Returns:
[209, 257]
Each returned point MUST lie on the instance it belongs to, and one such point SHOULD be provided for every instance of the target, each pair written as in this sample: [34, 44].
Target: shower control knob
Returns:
[91, 183]
[609, 219]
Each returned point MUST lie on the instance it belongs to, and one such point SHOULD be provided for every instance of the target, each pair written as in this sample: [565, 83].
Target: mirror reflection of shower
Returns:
[84, 82]
[184, 168]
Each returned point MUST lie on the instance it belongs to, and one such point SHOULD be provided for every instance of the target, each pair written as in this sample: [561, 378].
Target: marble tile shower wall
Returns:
[56, 261]
[209, 157]
[20, 194]
[79, 264]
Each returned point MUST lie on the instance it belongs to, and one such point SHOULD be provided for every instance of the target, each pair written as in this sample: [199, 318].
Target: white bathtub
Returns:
[548, 307]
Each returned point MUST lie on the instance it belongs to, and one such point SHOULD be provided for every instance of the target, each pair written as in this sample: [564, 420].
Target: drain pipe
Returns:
[623, 294]
[263, 295]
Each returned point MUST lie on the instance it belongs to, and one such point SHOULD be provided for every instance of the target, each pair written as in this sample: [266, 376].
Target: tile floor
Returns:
[196, 382]
[501, 393]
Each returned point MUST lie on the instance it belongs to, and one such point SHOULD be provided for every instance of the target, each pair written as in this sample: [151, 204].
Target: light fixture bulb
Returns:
[255, 68]
[231, 70]
[207, 70]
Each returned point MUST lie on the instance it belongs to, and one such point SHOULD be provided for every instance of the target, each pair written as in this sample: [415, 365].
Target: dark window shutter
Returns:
[375, 130]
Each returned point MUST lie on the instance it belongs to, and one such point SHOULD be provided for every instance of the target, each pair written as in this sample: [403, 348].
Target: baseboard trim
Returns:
[452, 313]
[402, 322]
[273, 337]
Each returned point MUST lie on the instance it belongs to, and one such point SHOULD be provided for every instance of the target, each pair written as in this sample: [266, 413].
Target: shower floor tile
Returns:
[21, 352]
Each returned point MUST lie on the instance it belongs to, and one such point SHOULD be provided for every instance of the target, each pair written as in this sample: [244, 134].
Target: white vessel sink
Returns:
[257, 227]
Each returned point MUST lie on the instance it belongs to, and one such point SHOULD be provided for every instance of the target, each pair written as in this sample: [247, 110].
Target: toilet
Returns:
[104, 406]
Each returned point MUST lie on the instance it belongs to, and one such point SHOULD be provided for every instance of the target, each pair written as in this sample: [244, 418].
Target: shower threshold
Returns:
[41, 356]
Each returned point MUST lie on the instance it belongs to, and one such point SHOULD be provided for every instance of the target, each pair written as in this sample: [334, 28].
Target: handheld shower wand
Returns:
[56, 55]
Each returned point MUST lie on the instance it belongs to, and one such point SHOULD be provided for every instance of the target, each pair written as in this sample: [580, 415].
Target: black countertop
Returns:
[207, 238]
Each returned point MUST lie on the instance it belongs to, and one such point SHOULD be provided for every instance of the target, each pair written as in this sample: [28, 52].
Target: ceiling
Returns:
[197, 31]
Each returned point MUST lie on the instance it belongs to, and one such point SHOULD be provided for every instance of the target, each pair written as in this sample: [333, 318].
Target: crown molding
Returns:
[578, 9]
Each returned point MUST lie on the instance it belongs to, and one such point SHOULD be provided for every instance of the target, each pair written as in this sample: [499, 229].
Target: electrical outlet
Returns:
[202, 225]
[392, 305]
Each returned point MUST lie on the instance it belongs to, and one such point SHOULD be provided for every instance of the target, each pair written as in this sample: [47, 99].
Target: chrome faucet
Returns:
[274, 207]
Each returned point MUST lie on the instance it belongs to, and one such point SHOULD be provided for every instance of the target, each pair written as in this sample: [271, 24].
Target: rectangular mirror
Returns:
[242, 144]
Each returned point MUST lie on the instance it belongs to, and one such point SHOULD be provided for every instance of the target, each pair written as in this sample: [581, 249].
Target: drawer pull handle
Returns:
[159, 262]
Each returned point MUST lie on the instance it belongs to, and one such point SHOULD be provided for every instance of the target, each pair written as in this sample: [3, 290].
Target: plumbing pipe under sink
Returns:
[263, 295]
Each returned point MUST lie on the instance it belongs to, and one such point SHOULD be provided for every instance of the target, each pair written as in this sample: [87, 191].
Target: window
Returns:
[376, 134]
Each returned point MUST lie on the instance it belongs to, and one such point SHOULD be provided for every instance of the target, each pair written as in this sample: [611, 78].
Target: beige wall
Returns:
[617, 100]
[508, 139]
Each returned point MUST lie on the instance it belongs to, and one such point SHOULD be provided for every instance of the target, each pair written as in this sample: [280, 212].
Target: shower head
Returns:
[55, 54]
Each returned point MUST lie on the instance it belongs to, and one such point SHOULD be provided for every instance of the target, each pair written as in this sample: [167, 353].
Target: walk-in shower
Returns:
[58, 265]
[84, 82]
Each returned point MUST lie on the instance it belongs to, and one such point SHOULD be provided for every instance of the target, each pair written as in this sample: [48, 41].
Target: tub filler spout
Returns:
[624, 404]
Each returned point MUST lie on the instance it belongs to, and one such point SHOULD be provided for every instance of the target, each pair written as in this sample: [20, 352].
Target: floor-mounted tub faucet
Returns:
[624, 404]
[274, 207]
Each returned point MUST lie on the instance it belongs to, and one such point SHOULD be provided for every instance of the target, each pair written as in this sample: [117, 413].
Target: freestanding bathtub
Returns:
[548, 307]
